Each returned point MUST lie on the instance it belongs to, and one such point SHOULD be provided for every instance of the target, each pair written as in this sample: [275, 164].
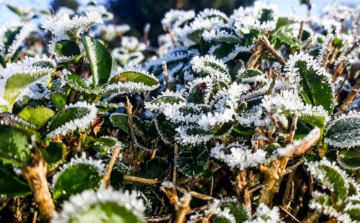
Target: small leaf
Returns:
[250, 76]
[69, 181]
[37, 116]
[79, 84]
[284, 21]
[59, 100]
[104, 144]
[344, 131]
[15, 9]
[315, 88]
[55, 152]
[192, 162]
[100, 60]
[156, 168]
[74, 116]
[67, 48]
[331, 177]
[10, 184]
[349, 159]
[240, 213]
[120, 121]
[133, 76]
[165, 128]
[14, 146]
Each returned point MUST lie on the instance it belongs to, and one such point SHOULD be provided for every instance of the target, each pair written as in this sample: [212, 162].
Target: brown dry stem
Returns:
[115, 155]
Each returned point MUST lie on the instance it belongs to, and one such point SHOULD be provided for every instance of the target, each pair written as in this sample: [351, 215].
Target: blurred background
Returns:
[137, 13]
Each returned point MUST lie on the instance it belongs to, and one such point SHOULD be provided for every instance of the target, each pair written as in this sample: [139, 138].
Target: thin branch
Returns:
[271, 87]
[194, 181]
[128, 108]
[170, 32]
[288, 213]
[275, 53]
[195, 194]
[338, 70]
[342, 85]
[141, 180]
[176, 150]
[115, 155]
[301, 31]
[184, 208]
[166, 75]
[349, 99]
[170, 216]
[257, 52]
[308, 45]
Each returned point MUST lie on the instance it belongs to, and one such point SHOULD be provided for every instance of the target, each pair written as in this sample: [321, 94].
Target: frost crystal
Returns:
[81, 202]
[237, 155]
[64, 27]
[264, 214]
[82, 122]
[175, 18]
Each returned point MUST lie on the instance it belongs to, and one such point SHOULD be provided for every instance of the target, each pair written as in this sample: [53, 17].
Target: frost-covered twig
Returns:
[344, 107]
[276, 54]
[183, 208]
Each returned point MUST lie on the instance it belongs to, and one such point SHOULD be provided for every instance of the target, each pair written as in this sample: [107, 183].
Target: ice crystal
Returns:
[106, 15]
[175, 18]
[64, 27]
[237, 155]
[81, 202]
[264, 214]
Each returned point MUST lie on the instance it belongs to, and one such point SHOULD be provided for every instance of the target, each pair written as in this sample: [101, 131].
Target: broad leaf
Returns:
[79, 84]
[349, 159]
[67, 48]
[104, 144]
[74, 116]
[100, 60]
[54, 153]
[156, 168]
[192, 162]
[315, 88]
[71, 182]
[10, 184]
[37, 116]
[344, 131]
[59, 100]
[165, 128]
[120, 121]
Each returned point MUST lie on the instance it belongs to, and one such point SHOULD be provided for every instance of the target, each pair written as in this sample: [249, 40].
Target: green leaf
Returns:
[250, 76]
[135, 76]
[104, 144]
[315, 118]
[284, 21]
[156, 168]
[192, 162]
[284, 37]
[100, 60]
[67, 48]
[240, 213]
[354, 213]
[331, 177]
[344, 131]
[14, 9]
[120, 121]
[79, 115]
[37, 116]
[165, 128]
[14, 146]
[75, 178]
[59, 100]
[10, 184]
[315, 88]
[322, 202]
[54, 153]
[349, 159]
[18, 82]
[79, 84]
[106, 212]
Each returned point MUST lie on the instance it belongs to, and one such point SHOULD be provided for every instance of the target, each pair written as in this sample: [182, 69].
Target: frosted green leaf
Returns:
[344, 131]
[192, 162]
[37, 116]
[349, 159]
[69, 181]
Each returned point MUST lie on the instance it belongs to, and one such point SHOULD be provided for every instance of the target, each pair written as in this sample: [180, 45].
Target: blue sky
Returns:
[289, 6]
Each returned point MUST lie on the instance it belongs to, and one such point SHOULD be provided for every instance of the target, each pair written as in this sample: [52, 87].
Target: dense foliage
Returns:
[250, 117]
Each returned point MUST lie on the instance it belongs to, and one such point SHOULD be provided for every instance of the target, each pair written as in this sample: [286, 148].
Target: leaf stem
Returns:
[115, 155]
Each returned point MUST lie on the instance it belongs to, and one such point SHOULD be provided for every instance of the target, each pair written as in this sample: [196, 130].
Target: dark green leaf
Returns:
[344, 132]
[349, 159]
[100, 60]
[156, 168]
[192, 162]
[59, 100]
[10, 184]
[67, 48]
[55, 152]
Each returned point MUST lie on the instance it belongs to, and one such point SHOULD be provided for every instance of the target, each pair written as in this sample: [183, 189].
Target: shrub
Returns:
[250, 117]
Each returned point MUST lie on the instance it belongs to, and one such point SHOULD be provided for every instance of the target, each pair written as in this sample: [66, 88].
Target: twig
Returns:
[276, 54]
[176, 150]
[355, 45]
[242, 189]
[110, 166]
[170, 191]
[301, 31]
[169, 216]
[170, 32]
[271, 87]
[141, 180]
[338, 70]
[252, 190]
[35, 217]
[349, 99]
[289, 183]
[307, 44]
[293, 167]
[195, 194]
[311, 217]
[342, 86]
[128, 108]
[257, 52]
[166, 75]
[329, 47]
[35, 174]
[288, 213]
[184, 208]
[291, 135]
